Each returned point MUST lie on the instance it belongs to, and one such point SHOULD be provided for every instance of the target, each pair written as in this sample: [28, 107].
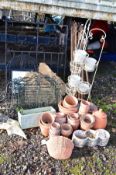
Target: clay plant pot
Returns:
[47, 118]
[60, 117]
[70, 102]
[73, 120]
[66, 110]
[66, 130]
[44, 129]
[100, 119]
[79, 138]
[87, 122]
[60, 147]
[84, 107]
[54, 129]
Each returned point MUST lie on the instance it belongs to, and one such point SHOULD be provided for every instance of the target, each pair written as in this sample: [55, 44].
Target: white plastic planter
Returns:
[79, 138]
[103, 137]
[30, 118]
[90, 64]
[80, 56]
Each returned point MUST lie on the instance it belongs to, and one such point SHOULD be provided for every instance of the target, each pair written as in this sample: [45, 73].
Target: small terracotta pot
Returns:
[60, 147]
[55, 129]
[60, 118]
[66, 130]
[44, 129]
[84, 107]
[100, 119]
[47, 118]
[70, 102]
[73, 120]
[87, 121]
[66, 110]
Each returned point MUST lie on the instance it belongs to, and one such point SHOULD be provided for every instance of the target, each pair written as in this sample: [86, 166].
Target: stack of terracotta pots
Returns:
[73, 117]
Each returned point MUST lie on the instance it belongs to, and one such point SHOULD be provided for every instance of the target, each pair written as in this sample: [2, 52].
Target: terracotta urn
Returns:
[100, 119]
[60, 117]
[87, 122]
[66, 129]
[66, 110]
[70, 102]
[73, 120]
[60, 147]
[84, 107]
[54, 129]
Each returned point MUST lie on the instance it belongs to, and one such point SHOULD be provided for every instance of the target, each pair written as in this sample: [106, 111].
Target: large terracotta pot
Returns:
[100, 119]
[60, 147]
[66, 110]
[84, 107]
[60, 117]
[87, 122]
[73, 120]
[66, 129]
[70, 102]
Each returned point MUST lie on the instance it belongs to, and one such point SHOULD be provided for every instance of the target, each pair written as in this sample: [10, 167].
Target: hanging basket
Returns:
[84, 87]
[75, 68]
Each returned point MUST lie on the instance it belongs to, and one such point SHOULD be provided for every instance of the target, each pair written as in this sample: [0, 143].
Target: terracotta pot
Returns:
[100, 119]
[44, 129]
[73, 120]
[60, 117]
[66, 130]
[47, 118]
[54, 129]
[66, 110]
[60, 147]
[70, 102]
[84, 107]
[87, 122]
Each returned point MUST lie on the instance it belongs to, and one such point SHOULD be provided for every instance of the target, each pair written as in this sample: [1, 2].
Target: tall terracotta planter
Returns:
[87, 122]
[70, 102]
[84, 107]
[73, 120]
[100, 119]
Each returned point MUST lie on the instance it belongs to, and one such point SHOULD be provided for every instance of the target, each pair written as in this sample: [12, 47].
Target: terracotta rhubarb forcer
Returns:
[66, 110]
[87, 122]
[60, 147]
[100, 119]
[73, 120]
[70, 102]
[84, 107]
